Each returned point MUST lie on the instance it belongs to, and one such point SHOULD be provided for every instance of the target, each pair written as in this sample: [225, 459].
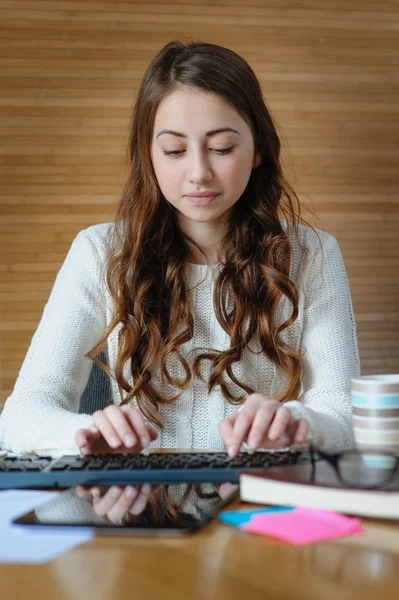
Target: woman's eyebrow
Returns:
[208, 134]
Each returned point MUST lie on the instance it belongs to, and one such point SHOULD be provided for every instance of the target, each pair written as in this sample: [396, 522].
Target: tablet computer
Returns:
[146, 509]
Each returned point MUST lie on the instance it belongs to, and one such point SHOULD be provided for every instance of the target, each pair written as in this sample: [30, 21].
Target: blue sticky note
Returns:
[239, 517]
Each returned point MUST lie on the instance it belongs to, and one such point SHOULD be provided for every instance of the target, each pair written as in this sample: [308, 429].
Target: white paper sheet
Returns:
[18, 545]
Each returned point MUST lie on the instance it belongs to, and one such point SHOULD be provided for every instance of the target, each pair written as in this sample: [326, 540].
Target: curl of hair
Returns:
[146, 261]
[162, 509]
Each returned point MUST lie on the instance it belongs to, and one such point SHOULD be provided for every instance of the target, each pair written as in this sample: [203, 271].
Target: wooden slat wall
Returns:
[69, 71]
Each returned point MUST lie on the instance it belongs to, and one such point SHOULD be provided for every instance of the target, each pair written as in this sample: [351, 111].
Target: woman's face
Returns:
[201, 144]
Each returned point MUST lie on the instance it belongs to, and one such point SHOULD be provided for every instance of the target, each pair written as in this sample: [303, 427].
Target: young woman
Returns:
[224, 318]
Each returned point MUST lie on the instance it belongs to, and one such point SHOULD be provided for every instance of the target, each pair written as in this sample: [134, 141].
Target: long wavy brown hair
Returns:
[145, 269]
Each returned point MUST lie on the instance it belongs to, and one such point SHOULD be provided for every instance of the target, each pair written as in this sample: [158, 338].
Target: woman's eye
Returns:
[217, 150]
[172, 152]
[223, 150]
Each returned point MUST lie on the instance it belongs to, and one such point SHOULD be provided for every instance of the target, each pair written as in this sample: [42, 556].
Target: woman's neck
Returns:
[206, 237]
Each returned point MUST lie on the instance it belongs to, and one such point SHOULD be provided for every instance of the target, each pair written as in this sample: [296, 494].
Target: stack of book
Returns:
[318, 486]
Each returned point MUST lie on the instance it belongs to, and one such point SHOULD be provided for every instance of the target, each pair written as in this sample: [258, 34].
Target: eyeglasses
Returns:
[366, 469]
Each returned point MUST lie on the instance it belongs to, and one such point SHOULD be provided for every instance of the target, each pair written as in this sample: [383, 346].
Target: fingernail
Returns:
[231, 450]
[115, 493]
[130, 492]
[114, 441]
[84, 450]
[129, 439]
[144, 441]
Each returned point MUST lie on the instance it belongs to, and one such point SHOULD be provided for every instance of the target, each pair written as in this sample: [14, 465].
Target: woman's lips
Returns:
[202, 200]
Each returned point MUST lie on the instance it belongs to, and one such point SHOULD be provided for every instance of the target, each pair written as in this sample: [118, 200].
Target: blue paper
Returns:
[239, 517]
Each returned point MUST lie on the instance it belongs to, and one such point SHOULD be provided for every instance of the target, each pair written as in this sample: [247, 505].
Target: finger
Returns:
[81, 491]
[103, 505]
[86, 439]
[289, 435]
[282, 419]
[107, 429]
[137, 422]
[81, 438]
[301, 431]
[260, 426]
[227, 489]
[88, 492]
[241, 428]
[122, 505]
[122, 425]
[226, 427]
[141, 501]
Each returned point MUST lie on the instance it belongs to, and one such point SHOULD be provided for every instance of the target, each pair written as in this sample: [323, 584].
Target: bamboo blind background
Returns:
[69, 72]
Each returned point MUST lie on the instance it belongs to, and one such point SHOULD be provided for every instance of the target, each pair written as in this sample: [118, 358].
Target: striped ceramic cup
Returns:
[375, 401]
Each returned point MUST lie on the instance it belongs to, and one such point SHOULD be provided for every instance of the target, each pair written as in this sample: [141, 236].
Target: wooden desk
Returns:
[218, 563]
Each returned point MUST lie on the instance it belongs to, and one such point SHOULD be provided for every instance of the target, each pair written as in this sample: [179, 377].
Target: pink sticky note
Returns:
[303, 525]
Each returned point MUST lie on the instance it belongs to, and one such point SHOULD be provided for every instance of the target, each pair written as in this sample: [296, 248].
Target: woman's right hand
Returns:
[115, 429]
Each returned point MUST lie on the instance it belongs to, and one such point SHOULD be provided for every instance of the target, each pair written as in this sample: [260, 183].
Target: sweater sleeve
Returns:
[331, 356]
[42, 412]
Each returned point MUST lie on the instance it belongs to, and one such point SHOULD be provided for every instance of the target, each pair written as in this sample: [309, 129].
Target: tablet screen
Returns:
[173, 508]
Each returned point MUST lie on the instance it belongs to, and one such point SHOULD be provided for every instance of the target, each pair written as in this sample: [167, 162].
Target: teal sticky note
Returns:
[240, 517]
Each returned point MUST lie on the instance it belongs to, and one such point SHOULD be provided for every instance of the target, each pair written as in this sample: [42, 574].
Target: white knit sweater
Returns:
[42, 412]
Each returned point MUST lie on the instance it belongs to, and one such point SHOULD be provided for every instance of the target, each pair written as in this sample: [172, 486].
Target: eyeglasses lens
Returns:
[366, 469]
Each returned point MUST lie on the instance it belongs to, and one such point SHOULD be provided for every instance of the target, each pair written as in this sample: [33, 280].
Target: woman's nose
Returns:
[199, 169]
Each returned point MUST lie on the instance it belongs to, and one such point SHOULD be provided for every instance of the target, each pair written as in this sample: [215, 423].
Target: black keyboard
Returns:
[162, 468]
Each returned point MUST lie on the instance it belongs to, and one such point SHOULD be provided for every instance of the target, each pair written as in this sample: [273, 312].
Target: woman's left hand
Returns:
[262, 422]
[114, 502]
